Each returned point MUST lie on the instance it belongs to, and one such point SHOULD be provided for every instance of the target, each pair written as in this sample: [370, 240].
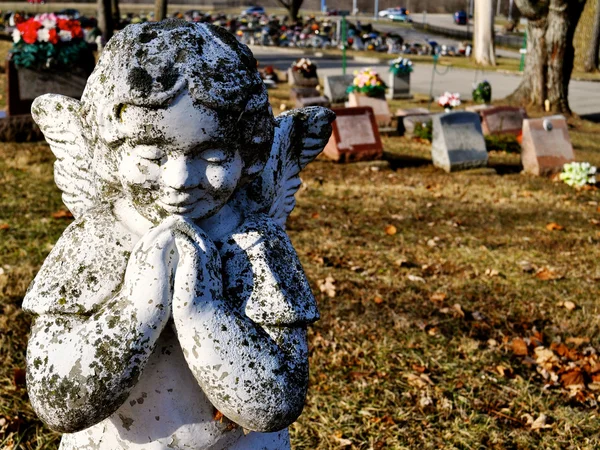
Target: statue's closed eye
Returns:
[214, 156]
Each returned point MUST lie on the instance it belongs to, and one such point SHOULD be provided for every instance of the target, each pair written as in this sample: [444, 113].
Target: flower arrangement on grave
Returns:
[305, 67]
[401, 66]
[423, 131]
[368, 82]
[482, 92]
[449, 101]
[578, 174]
[48, 41]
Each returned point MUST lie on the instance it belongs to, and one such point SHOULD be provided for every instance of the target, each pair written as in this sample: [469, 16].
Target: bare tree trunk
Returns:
[592, 61]
[160, 10]
[116, 13]
[105, 22]
[550, 52]
[483, 35]
[293, 8]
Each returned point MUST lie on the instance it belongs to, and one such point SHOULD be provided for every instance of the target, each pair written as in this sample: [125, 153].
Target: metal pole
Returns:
[435, 59]
[375, 16]
[354, 7]
[510, 7]
[523, 52]
[498, 7]
[323, 7]
[344, 44]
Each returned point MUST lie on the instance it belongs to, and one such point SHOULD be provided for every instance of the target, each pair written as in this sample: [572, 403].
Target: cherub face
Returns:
[178, 160]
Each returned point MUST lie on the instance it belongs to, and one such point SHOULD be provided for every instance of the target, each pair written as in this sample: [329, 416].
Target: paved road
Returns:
[584, 96]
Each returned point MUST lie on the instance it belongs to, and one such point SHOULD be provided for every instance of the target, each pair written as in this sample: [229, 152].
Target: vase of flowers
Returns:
[482, 92]
[367, 82]
[304, 73]
[579, 174]
[399, 78]
[449, 101]
[49, 55]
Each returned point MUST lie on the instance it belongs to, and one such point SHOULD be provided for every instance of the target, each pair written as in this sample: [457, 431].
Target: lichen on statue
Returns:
[172, 312]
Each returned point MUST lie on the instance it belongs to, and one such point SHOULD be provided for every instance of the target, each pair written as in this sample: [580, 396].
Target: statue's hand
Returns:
[151, 267]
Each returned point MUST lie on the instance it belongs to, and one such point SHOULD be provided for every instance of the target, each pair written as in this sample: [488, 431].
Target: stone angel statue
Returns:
[172, 313]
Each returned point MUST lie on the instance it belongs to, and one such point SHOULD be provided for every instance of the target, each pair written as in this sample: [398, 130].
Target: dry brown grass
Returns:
[415, 348]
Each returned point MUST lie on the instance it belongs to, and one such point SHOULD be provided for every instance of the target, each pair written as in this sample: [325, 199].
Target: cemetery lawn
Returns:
[443, 297]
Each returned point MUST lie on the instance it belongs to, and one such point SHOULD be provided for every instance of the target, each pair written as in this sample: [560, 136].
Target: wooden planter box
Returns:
[24, 85]
[398, 86]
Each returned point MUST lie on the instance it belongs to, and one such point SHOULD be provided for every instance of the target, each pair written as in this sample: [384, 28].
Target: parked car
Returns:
[399, 16]
[461, 17]
[253, 10]
[387, 12]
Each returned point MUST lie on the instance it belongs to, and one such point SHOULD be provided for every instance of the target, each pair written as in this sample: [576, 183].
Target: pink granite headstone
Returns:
[355, 136]
[546, 145]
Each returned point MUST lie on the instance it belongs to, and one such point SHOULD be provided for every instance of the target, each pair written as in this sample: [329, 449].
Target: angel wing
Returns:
[58, 118]
[300, 135]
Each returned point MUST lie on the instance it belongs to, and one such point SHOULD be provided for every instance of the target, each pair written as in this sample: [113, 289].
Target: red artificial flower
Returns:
[28, 30]
[63, 24]
[76, 32]
[53, 36]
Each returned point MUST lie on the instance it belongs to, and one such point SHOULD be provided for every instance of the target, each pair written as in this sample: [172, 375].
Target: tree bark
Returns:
[550, 53]
[160, 10]
[105, 22]
[483, 35]
[293, 8]
[592, 59]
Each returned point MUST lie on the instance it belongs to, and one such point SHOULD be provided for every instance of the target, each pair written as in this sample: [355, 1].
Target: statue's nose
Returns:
[181, 173]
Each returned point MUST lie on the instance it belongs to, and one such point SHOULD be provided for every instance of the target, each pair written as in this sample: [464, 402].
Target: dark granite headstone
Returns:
[398, 86]
[546, 145]
[458, 142]
[355, 136]
[335, 87]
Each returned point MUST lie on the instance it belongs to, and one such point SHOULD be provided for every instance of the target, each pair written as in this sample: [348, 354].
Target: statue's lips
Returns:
[179, 206]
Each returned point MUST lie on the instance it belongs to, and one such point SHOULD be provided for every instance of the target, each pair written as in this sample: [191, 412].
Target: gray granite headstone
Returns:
[335, 87]
[458, 141]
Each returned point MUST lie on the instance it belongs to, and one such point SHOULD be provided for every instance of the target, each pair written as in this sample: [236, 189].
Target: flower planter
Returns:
[398, 86]
[295, 78]
[24, 85]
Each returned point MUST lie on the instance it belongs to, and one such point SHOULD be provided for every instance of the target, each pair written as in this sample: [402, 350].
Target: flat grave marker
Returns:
[502, 120]
[458, 142]
[355, 136]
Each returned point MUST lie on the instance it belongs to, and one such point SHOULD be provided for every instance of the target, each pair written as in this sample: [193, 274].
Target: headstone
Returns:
[403, 114]
[300, 92]
[335, 87]
[398, 86]
[478, 108]
[502, 120]
[170, 282]
[546, 145]
[355, 136]
[410, 122]
[458, 142]
[295, 78]
[383, 116]
[304, 102]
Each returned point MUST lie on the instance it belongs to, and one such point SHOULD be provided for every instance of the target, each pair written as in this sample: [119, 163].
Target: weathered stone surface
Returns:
[546, 145]
[502, 120]
[298, 92]
[176, 289]
[458, 142]
[383, 116]
[407, 118]
[398, 86]
[335, 88]
[355, 136]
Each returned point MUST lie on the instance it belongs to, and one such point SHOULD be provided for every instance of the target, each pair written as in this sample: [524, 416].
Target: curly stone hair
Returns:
[151, 64]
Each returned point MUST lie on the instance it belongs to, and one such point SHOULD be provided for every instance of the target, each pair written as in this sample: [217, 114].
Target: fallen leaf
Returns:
[553, 226]
[546, 274]
[218, 416]
[342, 441]
[438, 297]
[569, 305]
[62, 214]
[315, 215]
[544, 355]
[390, 230]
[327, 286]
[578, 341]
[378, 300]
[415, 380]
[540, 423]
[572, 378]
[456, 307]
[519, 347]
[415, 278]
[4, 226]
